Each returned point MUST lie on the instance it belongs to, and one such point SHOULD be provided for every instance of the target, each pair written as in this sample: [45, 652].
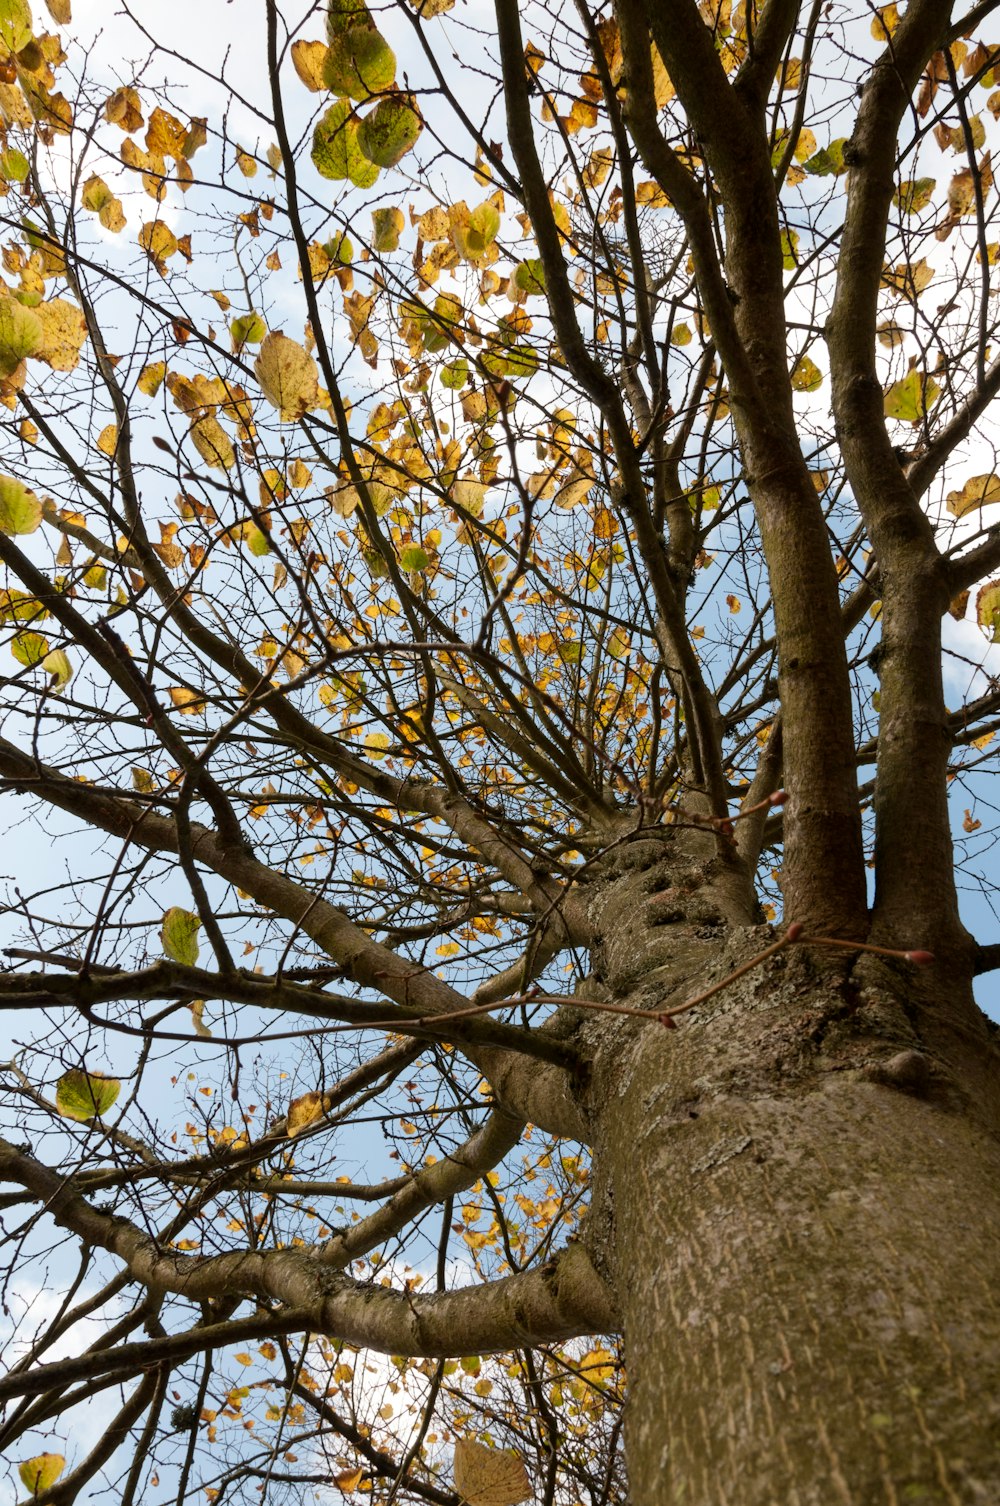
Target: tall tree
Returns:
[479, 668]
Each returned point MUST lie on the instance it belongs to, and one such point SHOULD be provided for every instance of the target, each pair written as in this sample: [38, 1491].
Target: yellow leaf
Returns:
[651, 194]
[978, 491]
[188, 702]
[64, 330]
[107, 440]
[490, 1477]
[38, 1475]
[304, 1111]
[122, 108]
[213, 443]
[309, 61]
[348, 1480]
[988, 609]
[151, 378]
[159, 243]
[288, 376]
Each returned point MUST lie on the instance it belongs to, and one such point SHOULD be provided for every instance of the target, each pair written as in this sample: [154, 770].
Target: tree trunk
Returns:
[798, 1203]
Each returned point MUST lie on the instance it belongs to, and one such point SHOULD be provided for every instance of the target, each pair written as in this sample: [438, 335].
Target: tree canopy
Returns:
[500, 577]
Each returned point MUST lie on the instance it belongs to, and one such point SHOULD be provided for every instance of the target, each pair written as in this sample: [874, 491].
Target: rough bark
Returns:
[798, 1204]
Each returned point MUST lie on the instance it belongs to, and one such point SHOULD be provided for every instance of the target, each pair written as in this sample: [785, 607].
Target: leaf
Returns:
[19, 606]
[789, 248]
[455, 374]
[20, 509]
[303, 1111]
[84, 1095]
[179, 935]
[387, 226]
[335, 151]
[288, 376]
[15, 24]
[213, 443]
[828, 161]
[29, 649]
[60, 11]
[911, 398]
[806, 375]
[107, 440]
[359, 61]
[123, 109]
[159, 243]
[58, 667]
[64, 332]
[529, 276]
[978, 491]
[988, 609]
[151, 378]
[21, 334]
[474, 231]
[390, 130]
[98, 198]
[40, 1474]
[488, 1476]
[914, 194]
[14, 166]
[348, 1480]
[308, 60]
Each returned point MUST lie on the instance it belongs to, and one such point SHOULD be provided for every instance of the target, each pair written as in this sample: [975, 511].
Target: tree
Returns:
[484, 528]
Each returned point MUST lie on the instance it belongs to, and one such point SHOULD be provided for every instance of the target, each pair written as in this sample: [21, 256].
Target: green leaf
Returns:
[20, 509]
[412, 557]
[41, 1473]
[828, 161]
[247, 329]
[455, 374]
[474, 231]
[21, 334]
[387, 226]
[522, 361]
[912, 397]
[15, 24]
[14, 166]
[390, 130]
[84, 1095]
[806, 375]
[335, 151]
[340, 249]
[359, 62]
[529, 276]
[179, 934]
